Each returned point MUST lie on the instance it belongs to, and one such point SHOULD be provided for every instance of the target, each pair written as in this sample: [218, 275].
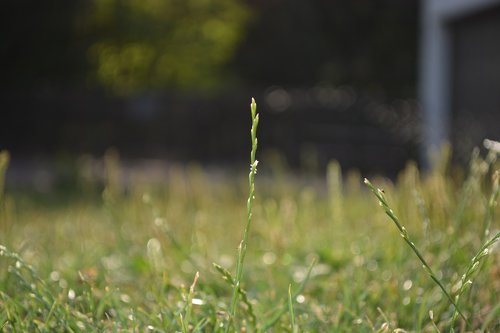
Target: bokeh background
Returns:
[171, 80]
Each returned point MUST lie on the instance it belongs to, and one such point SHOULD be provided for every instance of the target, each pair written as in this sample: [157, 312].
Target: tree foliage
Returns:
[144, 44]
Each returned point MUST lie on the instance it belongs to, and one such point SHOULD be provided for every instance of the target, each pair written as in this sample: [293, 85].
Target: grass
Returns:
[315, 254]
[242, 248]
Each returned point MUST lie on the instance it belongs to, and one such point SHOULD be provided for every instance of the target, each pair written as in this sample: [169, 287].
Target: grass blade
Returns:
[242, 249]
[471, 269]
[383, 202]
[290, 308]
[283, 309]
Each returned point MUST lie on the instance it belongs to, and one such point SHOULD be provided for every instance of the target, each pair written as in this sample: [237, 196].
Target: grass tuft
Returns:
[137, 258]
[379, 193]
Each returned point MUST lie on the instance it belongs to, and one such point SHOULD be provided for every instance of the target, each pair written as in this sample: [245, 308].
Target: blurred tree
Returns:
[151, 44]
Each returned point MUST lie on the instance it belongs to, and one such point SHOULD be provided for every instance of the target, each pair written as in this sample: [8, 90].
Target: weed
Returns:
[242, 248]
[465, 281]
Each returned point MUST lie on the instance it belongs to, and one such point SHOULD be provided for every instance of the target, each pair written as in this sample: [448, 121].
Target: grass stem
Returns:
[383, 202]
[242, 249]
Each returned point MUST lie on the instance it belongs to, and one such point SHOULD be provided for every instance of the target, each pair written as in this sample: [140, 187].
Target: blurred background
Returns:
[171, 80]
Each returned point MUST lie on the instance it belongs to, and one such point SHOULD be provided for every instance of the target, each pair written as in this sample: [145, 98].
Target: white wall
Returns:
[435, 66]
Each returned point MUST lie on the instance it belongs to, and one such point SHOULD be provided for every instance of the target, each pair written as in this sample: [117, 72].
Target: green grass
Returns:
[293, 253]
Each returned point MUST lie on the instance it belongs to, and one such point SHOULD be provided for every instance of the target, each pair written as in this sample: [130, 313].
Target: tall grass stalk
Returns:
[383, 202]
[466, 281]
[242, 249]
[189, 302]
[471, 269]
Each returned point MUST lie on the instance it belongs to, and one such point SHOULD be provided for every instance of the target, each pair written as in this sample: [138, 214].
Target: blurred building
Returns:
[460, 73]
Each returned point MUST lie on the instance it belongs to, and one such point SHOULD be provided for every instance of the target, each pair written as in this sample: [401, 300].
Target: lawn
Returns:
[321, 255]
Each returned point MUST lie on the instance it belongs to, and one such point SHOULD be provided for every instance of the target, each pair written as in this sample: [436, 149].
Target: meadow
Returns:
[274, 251]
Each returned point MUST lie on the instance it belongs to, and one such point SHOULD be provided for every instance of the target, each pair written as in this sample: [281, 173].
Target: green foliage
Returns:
[138, 258]
[404, 234]
[144, 44]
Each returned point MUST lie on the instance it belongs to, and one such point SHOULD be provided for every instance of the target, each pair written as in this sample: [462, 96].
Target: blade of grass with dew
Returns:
[382, 201]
